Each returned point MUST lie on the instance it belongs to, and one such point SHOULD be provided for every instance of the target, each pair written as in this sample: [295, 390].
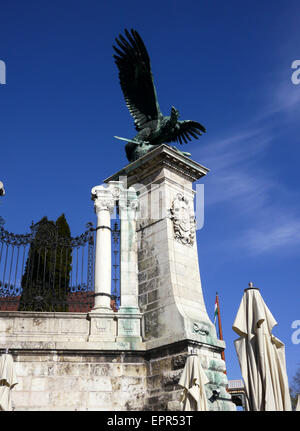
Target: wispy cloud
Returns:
[234, 175]
[240, 146]
[270, 235]
[283, 99]
[240, 180]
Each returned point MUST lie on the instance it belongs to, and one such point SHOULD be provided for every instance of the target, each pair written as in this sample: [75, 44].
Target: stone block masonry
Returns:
[60, 367]
[165, 366]
[54, 372]
[79, 381]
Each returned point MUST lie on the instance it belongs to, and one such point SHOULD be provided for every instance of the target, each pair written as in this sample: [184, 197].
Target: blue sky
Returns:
[225, 64]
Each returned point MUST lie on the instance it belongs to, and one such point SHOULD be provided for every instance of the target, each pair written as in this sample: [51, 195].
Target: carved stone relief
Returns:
[201, 329]
[183, 217]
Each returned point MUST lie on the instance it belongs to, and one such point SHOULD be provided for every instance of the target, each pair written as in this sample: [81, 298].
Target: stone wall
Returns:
[58, 368]
[165, 366]
[50, 380]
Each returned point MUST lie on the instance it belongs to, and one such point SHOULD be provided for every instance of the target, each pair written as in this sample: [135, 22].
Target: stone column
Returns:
[122, 328]
[104, 205]
[129, 316]
[175, 320]
[128, 205]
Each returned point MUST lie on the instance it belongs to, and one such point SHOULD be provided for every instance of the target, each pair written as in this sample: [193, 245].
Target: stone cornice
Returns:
[161, 157]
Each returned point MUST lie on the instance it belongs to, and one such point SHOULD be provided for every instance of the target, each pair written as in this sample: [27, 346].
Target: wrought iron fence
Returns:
[45, 271]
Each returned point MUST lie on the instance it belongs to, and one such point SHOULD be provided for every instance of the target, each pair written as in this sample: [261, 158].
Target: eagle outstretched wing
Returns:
[136, 79]
[186, 130]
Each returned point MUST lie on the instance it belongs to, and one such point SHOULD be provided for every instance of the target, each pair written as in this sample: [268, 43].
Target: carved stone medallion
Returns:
[183, 217]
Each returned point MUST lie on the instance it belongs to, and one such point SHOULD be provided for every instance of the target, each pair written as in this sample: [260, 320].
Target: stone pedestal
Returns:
[169, 284]
[103, 326]
[170, 292]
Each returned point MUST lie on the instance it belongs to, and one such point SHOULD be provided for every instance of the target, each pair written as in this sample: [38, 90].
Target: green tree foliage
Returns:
[45, 282]
[63, 261]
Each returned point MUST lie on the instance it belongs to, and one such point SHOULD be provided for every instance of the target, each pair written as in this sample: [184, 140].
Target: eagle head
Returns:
[174, 116]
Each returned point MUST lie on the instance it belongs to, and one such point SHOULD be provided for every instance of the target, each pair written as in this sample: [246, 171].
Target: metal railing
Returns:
[45, 270]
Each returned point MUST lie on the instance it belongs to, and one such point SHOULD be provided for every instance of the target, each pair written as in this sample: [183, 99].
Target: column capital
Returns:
[129, 199]
[105, 196]
[103, 199]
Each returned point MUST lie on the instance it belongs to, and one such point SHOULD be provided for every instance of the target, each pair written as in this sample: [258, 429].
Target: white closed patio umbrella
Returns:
[298, 404]
[193, 379]
[8, 380]
[261, 355]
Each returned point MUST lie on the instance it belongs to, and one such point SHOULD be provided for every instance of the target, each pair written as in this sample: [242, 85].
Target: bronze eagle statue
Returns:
[137, 84]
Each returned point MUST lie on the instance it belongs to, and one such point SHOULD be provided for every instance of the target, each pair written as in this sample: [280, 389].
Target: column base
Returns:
[129, 326]
[130, 310]
[101, 309]
[103, 325]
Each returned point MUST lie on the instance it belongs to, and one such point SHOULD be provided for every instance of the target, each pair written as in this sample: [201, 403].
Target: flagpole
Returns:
[220, 327]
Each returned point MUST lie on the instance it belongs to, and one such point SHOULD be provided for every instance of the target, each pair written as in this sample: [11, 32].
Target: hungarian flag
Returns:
[216, 312]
